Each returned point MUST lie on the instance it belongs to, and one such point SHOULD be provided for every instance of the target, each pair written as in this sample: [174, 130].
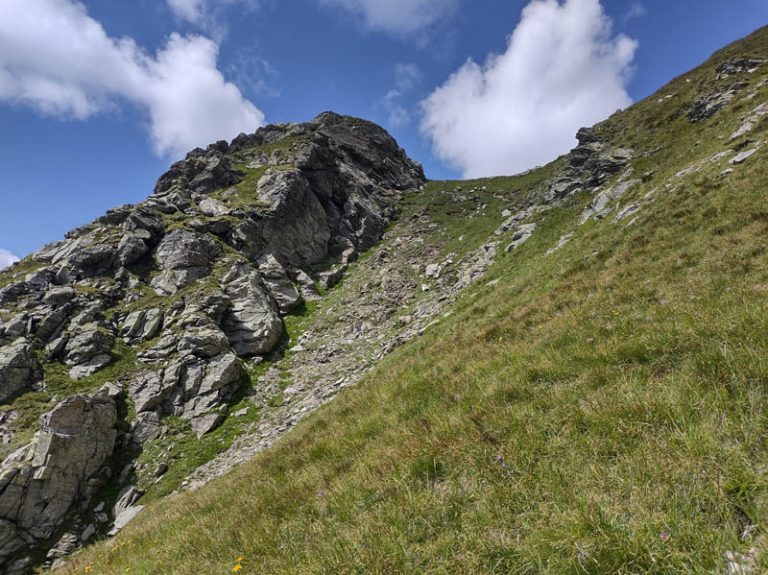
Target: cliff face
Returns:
[174, 298]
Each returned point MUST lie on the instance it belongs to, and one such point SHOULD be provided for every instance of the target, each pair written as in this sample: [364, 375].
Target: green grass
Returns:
[603, 409]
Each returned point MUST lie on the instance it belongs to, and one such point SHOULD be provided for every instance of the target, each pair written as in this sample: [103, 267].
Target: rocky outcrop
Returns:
[62, 466]
[19, 370]
[589, 165]
[192, 282]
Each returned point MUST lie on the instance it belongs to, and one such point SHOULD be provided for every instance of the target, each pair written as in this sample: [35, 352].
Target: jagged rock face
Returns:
[195, 281]
[41, 483]
[590, 164]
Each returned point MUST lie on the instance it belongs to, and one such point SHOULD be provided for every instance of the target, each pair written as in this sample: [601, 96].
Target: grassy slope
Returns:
[600, 410]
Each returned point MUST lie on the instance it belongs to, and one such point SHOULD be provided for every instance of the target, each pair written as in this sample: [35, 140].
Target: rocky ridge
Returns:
[196, 284]
[175, 296]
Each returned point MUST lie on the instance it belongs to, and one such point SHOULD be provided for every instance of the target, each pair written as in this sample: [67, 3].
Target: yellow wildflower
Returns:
[88, 569]
[240, 559]
[237, 568]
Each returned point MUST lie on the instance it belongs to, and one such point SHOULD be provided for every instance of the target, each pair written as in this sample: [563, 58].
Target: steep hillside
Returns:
[141, 333]
[587, 394]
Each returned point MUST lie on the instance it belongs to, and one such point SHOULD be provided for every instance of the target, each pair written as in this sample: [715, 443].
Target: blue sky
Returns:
[98, 98]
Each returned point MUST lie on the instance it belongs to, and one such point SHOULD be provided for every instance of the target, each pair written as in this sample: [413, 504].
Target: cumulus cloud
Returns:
[398, 16]
[57, 59]
[563, 68]
[7, 259]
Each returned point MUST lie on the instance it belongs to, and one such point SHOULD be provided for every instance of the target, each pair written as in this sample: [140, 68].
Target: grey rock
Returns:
[163, 349]
[148, 426]
[252, 323]
[43, 481]
[58, 296]
[749, 122]
[212, 207]
[19, 370]
[141, 325]
[560, 243]
[205, 342]
[521, 235]
[17, 326]
[132, 247]
[331, 278]
[306, 285]
[738, 66]
[625, 212]
[53, 322]
[432, 271]
[88, 533]
[206, 423]
[89, 351]
[201, 171]
[161, 469]
[708, 105]
[605, 202]
[184, 257]
[124, 518]
[125, 509]
[743, 156]
[149, 391]
[66, 544]
[125, 499]
[144, 223]
[12, 292]
[279, 284]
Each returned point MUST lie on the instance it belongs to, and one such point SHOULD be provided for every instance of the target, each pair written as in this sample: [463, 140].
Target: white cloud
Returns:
[562, 69]
[398, 16]
[58, 60]
[407, 78]
[189, 101]
[6, 259]
[190, 10]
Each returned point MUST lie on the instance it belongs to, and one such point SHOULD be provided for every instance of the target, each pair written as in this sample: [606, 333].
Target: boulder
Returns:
[58, 296]
[184, 257]
[280, 286]
[88, 351]
[252, 323]
[141, 325]
[205, 342]
[132, 247]
[43, 481]
[213, 207]
[19, 370]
